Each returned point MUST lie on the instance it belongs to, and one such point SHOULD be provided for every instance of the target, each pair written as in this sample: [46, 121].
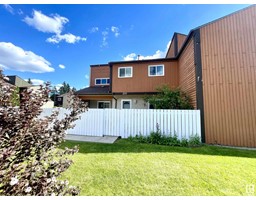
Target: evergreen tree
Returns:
[29, 81]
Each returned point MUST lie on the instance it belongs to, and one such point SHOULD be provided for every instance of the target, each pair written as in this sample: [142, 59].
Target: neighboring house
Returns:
[18, 82]
[22, 84]
[215, 64]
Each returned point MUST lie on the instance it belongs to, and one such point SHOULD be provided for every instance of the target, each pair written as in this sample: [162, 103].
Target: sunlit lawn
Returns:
[129, 168]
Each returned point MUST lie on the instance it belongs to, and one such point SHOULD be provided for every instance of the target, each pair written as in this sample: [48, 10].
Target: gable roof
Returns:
[96, 90]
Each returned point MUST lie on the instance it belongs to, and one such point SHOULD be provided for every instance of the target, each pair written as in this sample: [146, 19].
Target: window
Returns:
[156, 70]
[126, 104]
[103, 104]
[102, 81]
[124, 72]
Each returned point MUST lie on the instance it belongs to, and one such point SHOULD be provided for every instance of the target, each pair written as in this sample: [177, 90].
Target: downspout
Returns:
[115, 102]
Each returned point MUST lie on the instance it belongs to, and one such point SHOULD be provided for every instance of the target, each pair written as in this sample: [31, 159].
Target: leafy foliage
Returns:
[65, 88]
[15, 98]
[163, 139]
[30, 162]
[169, 99]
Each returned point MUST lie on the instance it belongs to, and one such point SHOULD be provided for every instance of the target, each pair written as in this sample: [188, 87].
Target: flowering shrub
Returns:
[30, 162]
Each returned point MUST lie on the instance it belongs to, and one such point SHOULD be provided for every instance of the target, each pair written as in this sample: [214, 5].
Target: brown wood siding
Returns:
[99, 72]
[141, 82]
[187, 75]
[181, 40]
[171, 53]
[228, 50]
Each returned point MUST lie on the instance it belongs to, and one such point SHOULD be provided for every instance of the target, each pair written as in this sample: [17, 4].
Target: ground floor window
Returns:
[126, 104]
[103, 104]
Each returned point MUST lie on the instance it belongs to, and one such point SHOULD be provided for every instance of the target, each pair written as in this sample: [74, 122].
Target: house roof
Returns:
[17, 81]
[96, 90]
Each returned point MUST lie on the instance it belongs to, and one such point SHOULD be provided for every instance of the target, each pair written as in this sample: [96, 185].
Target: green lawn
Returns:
[129, 168]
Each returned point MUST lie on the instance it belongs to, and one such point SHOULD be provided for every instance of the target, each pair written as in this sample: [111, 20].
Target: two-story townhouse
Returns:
[215, 64]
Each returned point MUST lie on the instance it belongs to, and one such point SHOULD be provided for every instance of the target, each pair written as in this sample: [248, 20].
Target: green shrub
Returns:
[158, 138]
[194, 140]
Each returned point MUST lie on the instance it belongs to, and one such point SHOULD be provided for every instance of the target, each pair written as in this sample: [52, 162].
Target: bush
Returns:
[194, 141]
[30, 161]
[162, 139]
[169, 99]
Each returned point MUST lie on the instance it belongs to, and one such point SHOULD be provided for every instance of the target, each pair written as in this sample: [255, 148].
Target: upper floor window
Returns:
[124, 72]
[102, 81]
[156, 70]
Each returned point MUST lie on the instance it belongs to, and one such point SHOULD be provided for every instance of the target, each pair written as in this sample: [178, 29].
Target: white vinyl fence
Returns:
[129, 122]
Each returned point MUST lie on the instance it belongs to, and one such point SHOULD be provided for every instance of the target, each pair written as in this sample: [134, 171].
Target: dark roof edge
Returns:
[181, 34]
[185, 43]
[108, 94]
[142, 61]
[99, 65]
[173, 36]
[133, 93]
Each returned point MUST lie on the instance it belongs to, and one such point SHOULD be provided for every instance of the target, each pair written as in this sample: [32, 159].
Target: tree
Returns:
[65, 88]
[29, 81]
[169, 99]
[30, 160]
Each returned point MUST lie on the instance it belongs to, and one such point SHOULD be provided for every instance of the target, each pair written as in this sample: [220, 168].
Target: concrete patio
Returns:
[97, 139]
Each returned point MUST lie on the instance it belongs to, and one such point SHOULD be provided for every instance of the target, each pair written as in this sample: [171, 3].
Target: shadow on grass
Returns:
[126, 146]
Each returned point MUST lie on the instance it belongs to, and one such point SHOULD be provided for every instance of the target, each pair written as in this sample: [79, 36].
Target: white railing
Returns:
[129, 122]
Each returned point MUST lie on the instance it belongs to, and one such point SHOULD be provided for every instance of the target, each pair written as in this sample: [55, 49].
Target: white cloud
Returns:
[36, 81]
[9, 8]
[58, 86]
[52, 24]
[130, 56]
[104, 40]
[20, 12]
[62, 66]
[69, 38]
[86, 76]
[134, 56]
[157, 54]
[46, 24]
[115, 30]
[15, 58]
[94, 29]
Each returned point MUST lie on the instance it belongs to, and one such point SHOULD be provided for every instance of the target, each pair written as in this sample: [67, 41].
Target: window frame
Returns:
[103, 102]
[156, 70]
[125, 68]
[126, 100]
[101, 81]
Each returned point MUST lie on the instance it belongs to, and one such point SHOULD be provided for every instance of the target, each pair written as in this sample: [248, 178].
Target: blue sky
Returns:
[56, 42]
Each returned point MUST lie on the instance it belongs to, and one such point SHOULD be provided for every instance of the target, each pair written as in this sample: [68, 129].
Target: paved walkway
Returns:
[104, 139]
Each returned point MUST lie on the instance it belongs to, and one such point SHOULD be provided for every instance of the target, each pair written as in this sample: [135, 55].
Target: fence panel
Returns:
[131, 122]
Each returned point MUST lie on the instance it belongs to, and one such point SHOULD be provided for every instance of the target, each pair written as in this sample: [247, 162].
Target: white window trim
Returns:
[103, 102]
[126, 100]
[155, 66]
[124, 68]
[102, 78]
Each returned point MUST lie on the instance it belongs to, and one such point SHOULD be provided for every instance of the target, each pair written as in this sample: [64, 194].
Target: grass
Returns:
[132, 169]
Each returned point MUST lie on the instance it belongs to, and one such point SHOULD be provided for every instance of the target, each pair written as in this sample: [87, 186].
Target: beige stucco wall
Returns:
[137, 101]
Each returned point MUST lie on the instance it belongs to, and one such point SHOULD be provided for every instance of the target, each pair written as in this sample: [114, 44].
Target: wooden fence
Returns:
[129, 122]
